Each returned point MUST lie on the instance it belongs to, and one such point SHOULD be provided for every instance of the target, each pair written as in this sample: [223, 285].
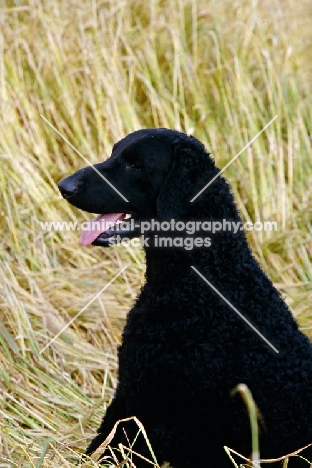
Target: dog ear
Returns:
[192, 169]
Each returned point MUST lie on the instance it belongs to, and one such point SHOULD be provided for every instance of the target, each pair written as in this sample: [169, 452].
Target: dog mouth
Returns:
[107, 229]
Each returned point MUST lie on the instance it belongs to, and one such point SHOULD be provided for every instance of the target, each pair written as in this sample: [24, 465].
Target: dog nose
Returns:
[68, 187]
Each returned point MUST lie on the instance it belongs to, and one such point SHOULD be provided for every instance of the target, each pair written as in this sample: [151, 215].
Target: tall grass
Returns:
[97, 71]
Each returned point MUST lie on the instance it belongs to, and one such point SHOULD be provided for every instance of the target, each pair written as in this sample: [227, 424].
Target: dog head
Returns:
[151, 173]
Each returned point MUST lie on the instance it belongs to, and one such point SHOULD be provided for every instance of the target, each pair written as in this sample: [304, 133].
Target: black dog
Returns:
[184, 348]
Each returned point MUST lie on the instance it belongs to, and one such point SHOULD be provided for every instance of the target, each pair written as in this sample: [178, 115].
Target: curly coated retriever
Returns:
[207, 319]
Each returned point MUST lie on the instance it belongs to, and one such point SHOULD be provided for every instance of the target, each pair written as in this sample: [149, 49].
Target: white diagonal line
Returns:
[235, 310]
[235, 157]
[83, 157]
[83, 309]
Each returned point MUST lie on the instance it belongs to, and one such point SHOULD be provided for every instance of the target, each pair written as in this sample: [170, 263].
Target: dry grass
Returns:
[99, 70]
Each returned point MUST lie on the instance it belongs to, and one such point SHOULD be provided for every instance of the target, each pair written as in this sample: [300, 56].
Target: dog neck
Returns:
[217, 262]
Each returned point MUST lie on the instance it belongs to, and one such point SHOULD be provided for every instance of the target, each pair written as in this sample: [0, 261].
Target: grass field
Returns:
[97, 71]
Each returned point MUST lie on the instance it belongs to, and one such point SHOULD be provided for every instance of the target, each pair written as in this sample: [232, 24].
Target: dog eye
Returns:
[133, 166]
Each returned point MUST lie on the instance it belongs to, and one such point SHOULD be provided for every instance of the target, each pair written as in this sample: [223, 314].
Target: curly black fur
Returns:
[183, 348]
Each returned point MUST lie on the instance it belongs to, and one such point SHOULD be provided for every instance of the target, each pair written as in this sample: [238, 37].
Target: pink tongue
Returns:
[98, 225]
